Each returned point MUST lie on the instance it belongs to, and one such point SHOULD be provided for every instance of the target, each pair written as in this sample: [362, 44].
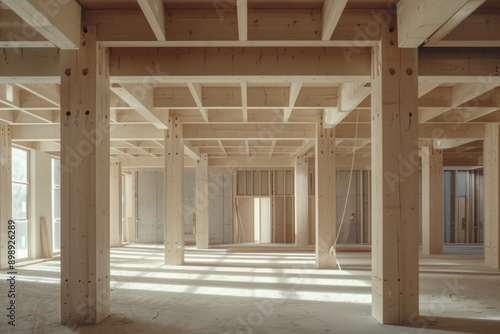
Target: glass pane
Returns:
[57, 204]
[19, 201]
[56, 172]
[19, 165]
[21, 239]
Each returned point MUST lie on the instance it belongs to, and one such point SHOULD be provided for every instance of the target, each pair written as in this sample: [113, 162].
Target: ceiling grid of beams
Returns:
[251, 78]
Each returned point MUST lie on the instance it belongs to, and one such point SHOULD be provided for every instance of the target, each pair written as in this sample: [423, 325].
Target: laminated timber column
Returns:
[325, 196]
[85, 183]
[202, 235]
[130, 207]
[5, 192]
[301, 201]
[395, 204]
[174, 192]
[492, 195]
[432, 201]
[115, 206]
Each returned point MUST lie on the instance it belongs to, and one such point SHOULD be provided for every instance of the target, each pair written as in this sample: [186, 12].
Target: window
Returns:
[56, 205]
[20, 200]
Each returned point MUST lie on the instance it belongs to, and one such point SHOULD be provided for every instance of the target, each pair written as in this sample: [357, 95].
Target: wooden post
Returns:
[5, 192]
[130, 207]
[432, 201]
[492, 195]
[325, 197]
[174, 192]
[301, 201]
[202, 235]
[395, 179]
[85, 272]
[115, 206]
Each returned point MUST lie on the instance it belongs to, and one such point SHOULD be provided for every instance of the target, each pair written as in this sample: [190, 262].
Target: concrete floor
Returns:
[278, 292]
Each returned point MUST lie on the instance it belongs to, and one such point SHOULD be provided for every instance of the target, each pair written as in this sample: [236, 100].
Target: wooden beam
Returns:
[268, 27]
[445, 144]
[85, 167]
[460, 94]
[292, 97]
[331, 12]
[10, 95]
[249, 131]
[459, 65]
[154, 10]
[59, 22]
[259, 65]
[426, 87]
[48, 92]
[273, 146]
[15, 33]
[307, 145]
[242, 12]
[197, 93]
[31, 66]
[140, 97]
[351, 95]
[209, 65]
[418, 20]
[479, 29]
[202, 203]
[252, 131]
[469, 7]
[192, 152]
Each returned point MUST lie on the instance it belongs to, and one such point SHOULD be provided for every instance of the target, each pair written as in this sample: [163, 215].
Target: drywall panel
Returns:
[150, 205]
[149, 218]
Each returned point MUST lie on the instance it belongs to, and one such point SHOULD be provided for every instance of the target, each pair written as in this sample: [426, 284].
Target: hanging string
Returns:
[332, 249]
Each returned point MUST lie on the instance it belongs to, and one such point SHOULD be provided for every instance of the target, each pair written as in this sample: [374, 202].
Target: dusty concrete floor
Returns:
[226, 293]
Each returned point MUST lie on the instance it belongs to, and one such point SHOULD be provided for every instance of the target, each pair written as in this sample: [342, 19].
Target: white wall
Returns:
[220, 211]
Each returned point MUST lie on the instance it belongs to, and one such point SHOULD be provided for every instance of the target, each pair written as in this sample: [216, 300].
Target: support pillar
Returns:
[492, 195]
[174, 192]
[432, 201]
[202, 229]
[115, 206]
[301, 201]
[130, 207]
[395, 168]
[85, 271]
[5, 192]
[325, 197]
